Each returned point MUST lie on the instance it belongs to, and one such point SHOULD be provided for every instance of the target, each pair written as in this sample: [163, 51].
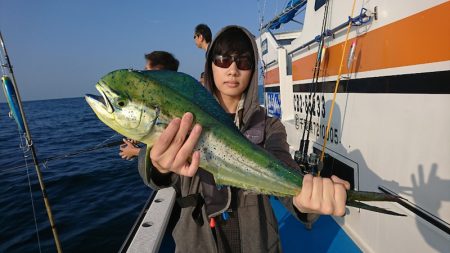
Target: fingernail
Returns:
[188, 116]
[197, 128]
[176, 121]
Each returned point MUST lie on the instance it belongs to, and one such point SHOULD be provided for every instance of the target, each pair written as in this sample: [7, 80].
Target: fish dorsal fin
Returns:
[189, 88]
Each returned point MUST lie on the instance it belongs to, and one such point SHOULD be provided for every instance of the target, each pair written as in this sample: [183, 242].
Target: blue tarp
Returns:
[288, 14]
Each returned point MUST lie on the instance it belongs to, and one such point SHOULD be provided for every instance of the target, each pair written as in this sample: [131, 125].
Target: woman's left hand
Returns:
[322, 195]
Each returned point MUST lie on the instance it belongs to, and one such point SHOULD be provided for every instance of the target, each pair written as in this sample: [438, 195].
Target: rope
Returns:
[330, 117]
[263, 64]
[29, 187]
[107, 139]
[70, 154]
[32, 205]
[26, 148]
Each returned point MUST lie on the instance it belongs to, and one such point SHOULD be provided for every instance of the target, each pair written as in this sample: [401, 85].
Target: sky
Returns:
[61, 49]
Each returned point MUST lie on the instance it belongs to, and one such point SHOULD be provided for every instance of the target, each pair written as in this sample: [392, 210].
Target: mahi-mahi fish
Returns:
[140, 104]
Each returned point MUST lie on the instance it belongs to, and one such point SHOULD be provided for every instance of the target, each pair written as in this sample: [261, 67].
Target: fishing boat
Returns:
[388, 129]
[372, 79]
[362, 88]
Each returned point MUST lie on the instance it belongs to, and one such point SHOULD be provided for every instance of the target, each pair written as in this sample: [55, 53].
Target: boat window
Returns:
[264, 47]
[332, 166]
[288, 64]
[319, 3]
[284, 42]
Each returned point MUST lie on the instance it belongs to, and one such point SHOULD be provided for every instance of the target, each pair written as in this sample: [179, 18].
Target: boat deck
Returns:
[325, 236]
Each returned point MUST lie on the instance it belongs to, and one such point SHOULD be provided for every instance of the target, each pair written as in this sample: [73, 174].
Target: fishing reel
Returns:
[309, 164]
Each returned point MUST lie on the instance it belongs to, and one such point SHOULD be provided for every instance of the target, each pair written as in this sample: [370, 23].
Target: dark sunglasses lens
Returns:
[244, 63]
[223, 62]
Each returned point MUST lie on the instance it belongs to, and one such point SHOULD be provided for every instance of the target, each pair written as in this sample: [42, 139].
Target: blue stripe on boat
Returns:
[325, 236]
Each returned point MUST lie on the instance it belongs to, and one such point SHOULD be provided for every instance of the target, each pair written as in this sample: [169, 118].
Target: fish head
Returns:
[123, 105]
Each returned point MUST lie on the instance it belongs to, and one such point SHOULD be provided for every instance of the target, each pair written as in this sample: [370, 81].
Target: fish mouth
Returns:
[100, 104]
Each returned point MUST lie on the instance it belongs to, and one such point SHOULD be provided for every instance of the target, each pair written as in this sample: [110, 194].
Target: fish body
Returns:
[140, 104]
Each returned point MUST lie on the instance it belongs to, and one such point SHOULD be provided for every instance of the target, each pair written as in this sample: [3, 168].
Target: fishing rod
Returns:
[301, 156]
[23, 122]
[330, 116]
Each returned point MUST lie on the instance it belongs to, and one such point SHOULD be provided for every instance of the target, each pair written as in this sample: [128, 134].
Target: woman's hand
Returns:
[322, 195]
[171, 151]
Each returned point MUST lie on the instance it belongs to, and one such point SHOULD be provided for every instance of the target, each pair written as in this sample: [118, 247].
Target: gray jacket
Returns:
[257, 223]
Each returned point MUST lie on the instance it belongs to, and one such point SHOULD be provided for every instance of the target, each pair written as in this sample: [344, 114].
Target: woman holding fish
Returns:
[239, 220]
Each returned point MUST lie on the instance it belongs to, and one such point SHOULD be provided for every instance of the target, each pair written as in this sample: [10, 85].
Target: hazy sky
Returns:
[61, 48]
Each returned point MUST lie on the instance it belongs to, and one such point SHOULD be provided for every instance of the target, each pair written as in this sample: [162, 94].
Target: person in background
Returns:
[202, 36]
[161, 60]
[156, 60]
[230, 219]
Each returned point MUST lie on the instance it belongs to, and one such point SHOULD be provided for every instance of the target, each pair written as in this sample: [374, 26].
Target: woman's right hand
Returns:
[171, 151]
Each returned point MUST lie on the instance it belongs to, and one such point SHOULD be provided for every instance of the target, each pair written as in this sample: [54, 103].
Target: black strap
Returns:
[193, 200]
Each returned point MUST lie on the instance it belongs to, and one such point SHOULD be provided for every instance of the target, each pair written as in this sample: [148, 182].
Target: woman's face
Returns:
[231, 81]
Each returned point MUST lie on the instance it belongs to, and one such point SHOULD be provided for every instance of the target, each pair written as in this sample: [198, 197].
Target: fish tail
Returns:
[354, 198]
[371, 196]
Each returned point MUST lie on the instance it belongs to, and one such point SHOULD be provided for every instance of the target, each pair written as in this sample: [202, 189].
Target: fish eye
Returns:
[121, 103]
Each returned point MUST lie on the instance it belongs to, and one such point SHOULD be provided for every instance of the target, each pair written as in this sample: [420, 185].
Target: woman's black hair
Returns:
[232, 41]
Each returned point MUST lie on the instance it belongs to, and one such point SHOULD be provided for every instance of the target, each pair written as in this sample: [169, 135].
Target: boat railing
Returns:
[362, 18]
[150, 227]
[137, 223]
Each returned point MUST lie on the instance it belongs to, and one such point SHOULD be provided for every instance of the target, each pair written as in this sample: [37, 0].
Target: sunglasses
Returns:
[243, 62]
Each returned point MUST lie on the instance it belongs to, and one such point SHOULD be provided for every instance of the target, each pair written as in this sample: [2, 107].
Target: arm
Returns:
[168, 158]
[277, 145]
[318, 195]
[150, 175]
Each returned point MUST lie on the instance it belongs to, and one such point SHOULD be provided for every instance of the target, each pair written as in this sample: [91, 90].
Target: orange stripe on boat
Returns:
[418, 39]
[272, 76]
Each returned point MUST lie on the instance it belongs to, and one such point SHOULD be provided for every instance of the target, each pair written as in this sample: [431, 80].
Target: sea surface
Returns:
[95, 196]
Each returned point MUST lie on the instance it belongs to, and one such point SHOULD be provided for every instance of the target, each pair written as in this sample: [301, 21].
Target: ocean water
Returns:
[95, 196]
